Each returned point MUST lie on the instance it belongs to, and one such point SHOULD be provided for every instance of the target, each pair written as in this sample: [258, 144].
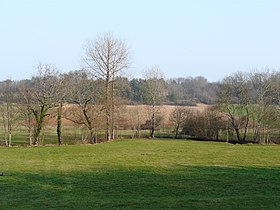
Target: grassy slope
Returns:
[148, 174]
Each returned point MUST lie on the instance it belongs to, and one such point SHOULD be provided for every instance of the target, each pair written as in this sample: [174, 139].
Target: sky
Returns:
[209, 38]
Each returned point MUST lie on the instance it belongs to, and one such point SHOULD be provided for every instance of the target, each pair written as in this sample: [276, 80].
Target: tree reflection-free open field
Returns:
[146, 174]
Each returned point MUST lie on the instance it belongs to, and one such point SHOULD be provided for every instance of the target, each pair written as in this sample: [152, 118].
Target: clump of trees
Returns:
[247, 110]
[178, 118]
[249, 102]
[208, 125]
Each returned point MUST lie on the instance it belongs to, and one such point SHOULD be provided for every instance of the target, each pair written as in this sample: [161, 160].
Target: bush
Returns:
[206, 125]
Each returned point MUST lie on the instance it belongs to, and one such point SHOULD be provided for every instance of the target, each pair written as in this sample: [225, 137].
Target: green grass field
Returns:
[141, 174]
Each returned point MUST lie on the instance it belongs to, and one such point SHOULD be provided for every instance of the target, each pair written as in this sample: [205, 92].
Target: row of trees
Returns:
[76, 96]
[244, 104]
[50, 89]
[247, 106]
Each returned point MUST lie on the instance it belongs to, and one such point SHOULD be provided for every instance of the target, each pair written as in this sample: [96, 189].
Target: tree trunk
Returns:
[95, 136]
[30, 137]
[9, 120]
[177, 130]
[38, 125]
[112, 109]
[6, 139]
[10, 139]
[237, 132]
[227, 130]
[107, 132]
[91, 136]
[152, 135]
[246, 126]
[29, 121]
[59, 124]
[37, 130]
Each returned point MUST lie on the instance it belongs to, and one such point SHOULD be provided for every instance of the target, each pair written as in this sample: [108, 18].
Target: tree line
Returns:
[243, 106]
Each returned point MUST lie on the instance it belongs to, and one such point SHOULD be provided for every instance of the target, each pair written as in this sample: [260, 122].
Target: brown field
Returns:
[164, 111]
[132, 114]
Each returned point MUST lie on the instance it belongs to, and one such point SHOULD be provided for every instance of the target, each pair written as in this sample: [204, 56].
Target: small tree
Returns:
[40, 96]
[83, 95]
[153, 89]
[25, 104]
[178, 117]
[262, 88]
[234, 102]
[9, 109]
[135, 120]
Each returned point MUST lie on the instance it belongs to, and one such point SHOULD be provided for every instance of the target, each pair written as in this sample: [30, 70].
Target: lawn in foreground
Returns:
[146, 174]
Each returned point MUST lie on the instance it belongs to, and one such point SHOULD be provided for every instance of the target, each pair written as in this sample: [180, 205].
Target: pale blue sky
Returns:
[183, 37]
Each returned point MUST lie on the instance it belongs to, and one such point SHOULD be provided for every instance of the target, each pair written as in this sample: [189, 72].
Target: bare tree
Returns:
[106, 57]
[262, 100]
[135, 119]
[25, 104]
[62, 94]
[41, 96]
[83, 96]
[154, 91]
[9, 109]
[234, 101]
[275, 80]
[178, 117]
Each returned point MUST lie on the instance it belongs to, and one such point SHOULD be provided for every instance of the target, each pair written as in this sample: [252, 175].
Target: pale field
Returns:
[143, 111]
[134, 114]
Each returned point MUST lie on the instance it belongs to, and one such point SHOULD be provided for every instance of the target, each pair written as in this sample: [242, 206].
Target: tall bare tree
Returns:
[106, 57]
[154, 90]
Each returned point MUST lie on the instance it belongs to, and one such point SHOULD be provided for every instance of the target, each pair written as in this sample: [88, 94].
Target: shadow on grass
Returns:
[178, 187]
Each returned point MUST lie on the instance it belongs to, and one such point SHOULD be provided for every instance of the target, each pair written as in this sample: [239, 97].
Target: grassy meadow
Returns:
[143, 174]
